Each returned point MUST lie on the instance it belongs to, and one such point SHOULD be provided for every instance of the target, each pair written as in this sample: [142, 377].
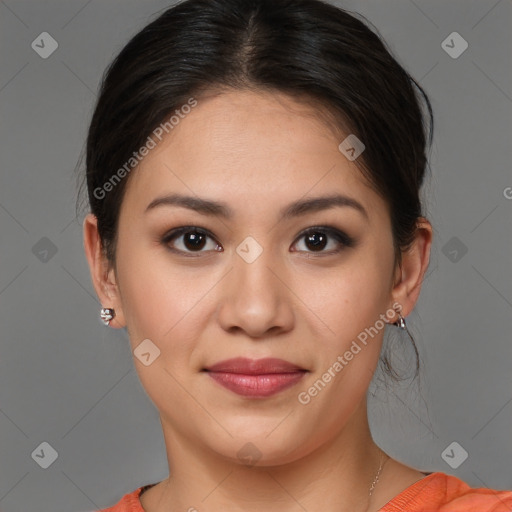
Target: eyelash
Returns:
[342, 238]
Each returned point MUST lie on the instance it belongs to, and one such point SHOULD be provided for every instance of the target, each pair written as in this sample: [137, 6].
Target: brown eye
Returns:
[194, 241]
[316, 241]
[189, 239]
[318, 238]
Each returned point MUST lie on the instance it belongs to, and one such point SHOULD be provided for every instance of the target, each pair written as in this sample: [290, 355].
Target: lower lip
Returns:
[257, 386]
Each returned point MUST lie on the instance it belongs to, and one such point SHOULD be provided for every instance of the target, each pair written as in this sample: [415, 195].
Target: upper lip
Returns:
[247, 366]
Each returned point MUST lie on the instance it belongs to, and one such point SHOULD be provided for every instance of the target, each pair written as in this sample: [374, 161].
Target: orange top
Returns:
[436, 492]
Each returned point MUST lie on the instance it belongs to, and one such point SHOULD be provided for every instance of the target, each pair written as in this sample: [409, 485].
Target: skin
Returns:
[257, 152]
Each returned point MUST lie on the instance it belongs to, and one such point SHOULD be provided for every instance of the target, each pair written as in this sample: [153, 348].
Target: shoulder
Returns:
[440, 492]
[129, 502]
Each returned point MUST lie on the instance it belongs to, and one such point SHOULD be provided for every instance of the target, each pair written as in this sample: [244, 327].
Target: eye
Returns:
[193, 239]
[318, 237]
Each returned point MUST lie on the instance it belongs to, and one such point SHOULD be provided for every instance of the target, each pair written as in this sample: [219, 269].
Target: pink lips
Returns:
[256, 378]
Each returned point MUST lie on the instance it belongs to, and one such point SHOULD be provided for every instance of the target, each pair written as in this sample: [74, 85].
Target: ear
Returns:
[410, 273]
[102, 273]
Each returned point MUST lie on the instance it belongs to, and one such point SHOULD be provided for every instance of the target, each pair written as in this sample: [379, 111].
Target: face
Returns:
[254, 276]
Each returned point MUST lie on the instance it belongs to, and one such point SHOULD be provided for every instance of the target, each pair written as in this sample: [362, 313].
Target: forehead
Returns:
[252, 146]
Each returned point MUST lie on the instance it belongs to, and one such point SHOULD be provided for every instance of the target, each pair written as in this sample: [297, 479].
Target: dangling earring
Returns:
[106, 314]
[400, 322]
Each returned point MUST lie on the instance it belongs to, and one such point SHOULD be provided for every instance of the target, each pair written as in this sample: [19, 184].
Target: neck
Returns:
[334, 477]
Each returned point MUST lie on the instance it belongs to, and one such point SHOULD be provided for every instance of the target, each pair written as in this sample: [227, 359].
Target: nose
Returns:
[256, 299]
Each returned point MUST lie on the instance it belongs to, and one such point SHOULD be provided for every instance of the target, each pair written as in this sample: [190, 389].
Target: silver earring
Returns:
[400, 322]
[106, 314]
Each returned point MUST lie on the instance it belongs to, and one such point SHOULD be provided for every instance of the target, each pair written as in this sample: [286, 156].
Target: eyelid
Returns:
[343, 240]
[179, 231]
[336, 233]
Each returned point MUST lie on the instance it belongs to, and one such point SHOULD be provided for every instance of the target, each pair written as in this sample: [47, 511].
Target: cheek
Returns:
[165, 305]
[350, 298]
[163, 302]
[350, 303]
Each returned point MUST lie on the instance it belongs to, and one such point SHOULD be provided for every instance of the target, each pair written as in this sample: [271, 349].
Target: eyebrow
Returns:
[220, 209]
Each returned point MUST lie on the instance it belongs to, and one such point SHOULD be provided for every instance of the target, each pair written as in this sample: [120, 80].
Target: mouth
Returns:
[256, 378]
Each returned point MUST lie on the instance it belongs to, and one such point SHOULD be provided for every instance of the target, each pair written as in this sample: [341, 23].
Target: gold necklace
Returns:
[375, 480]
[372, 486]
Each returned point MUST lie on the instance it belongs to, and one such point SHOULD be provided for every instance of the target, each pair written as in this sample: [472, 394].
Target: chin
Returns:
[261, 446]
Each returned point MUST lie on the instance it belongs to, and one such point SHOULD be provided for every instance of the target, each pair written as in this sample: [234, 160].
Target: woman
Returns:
[253, 172]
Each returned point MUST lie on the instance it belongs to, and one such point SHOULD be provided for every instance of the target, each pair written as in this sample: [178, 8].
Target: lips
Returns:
[256, 378]
[254, 366]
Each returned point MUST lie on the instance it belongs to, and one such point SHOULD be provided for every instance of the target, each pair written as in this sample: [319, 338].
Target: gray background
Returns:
[69, 381]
